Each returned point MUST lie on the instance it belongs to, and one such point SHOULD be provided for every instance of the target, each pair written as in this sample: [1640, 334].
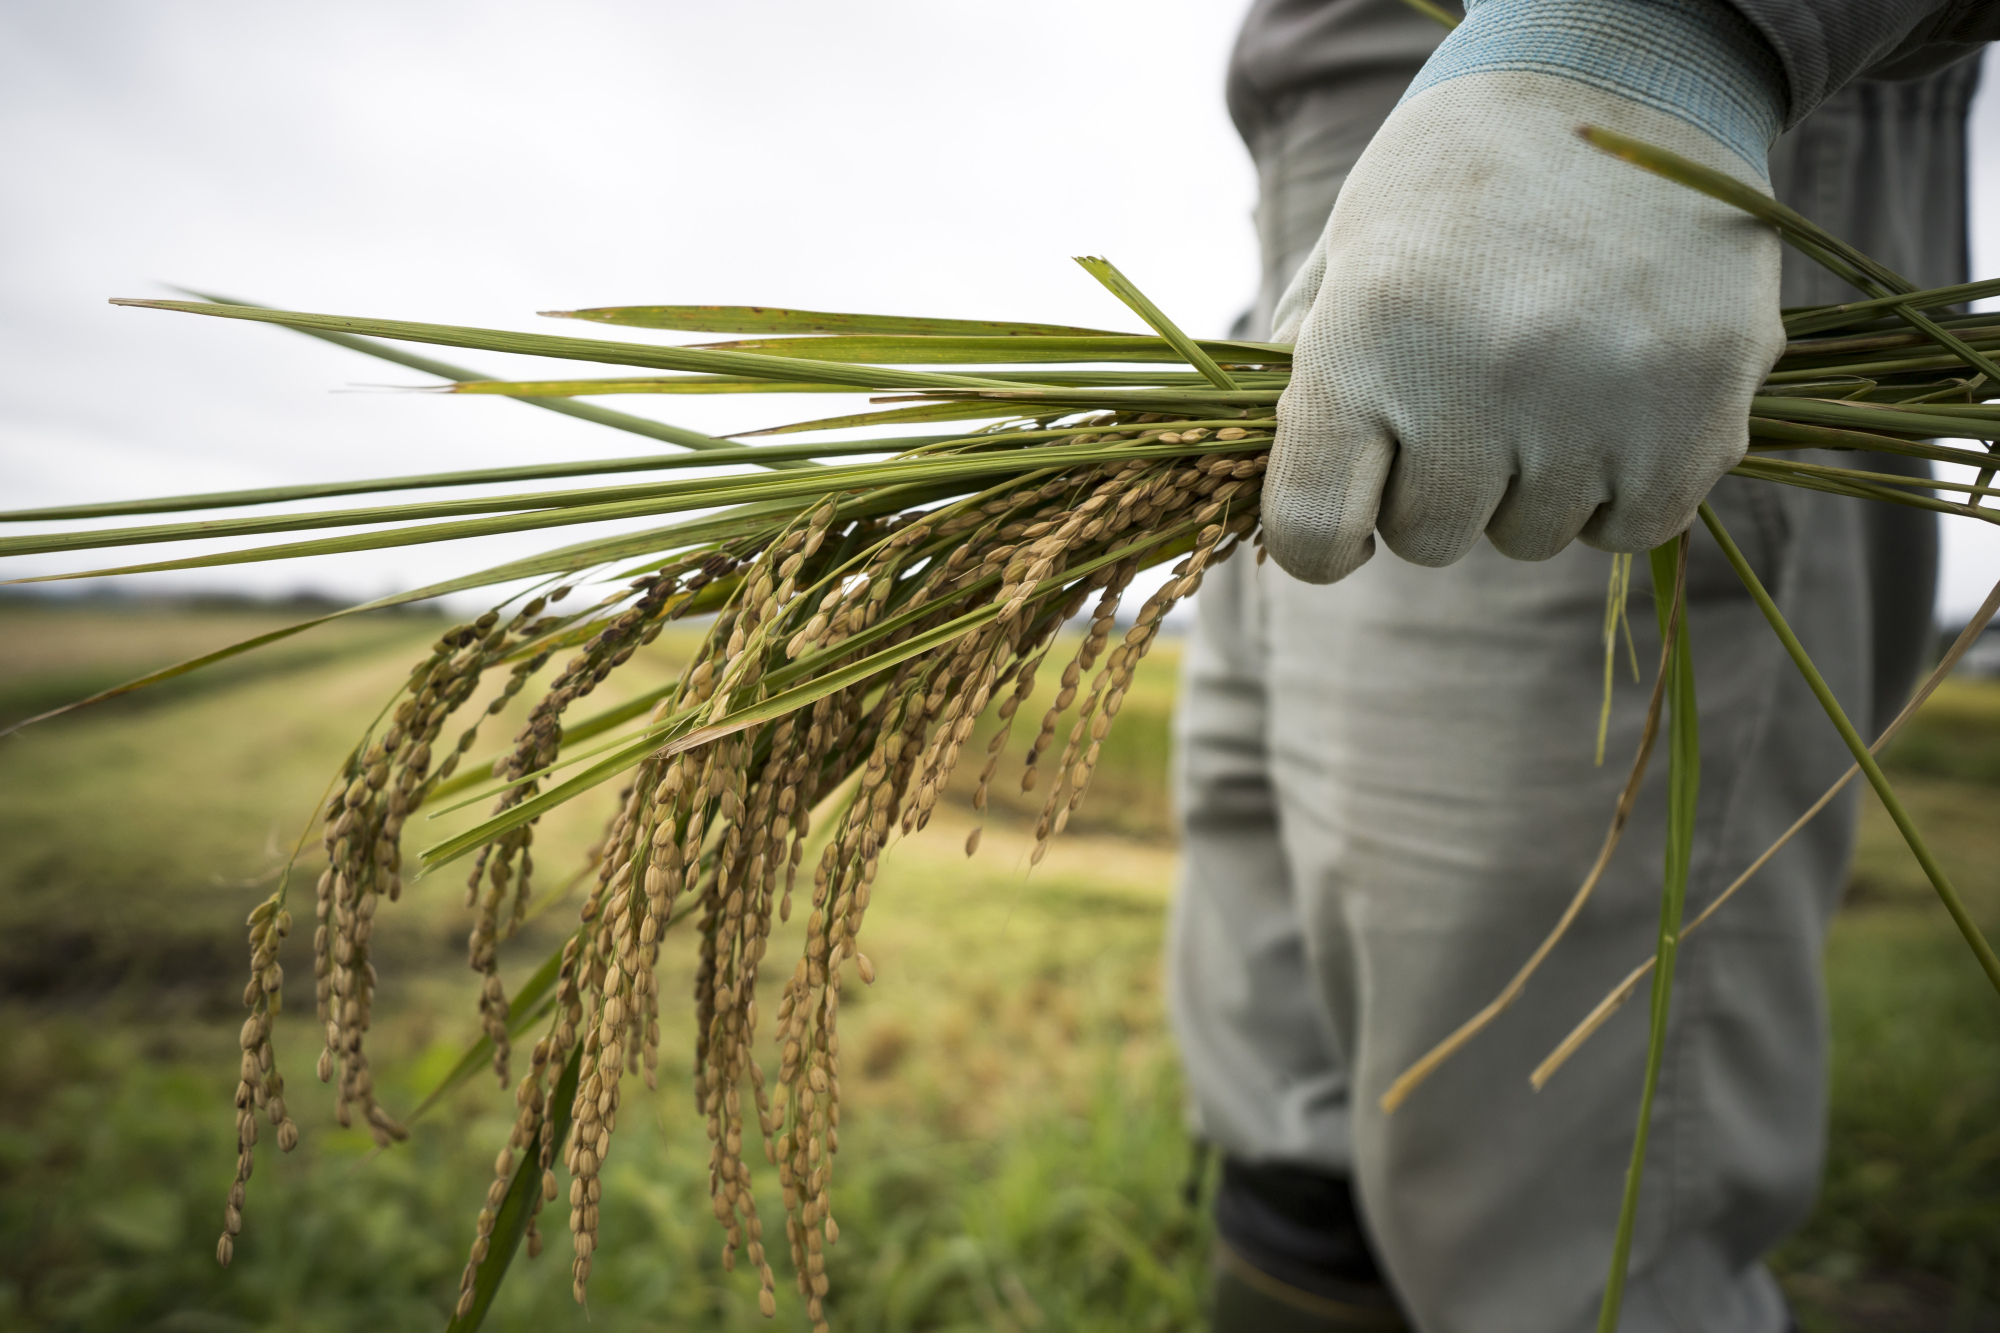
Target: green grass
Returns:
[1910, 1212]
[54, 653]
[1957, 736]
[1013, 1153]
[1906, 1236]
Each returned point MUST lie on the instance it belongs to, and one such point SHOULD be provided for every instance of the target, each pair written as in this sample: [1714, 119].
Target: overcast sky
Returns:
[474, 163]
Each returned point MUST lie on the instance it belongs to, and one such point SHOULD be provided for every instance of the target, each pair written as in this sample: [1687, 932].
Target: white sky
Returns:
[473, 163]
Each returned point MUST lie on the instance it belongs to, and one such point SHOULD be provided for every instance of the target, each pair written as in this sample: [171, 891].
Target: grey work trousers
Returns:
[1388, 796]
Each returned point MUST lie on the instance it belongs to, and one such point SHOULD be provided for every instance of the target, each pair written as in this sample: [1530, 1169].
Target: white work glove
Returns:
[1505, 330]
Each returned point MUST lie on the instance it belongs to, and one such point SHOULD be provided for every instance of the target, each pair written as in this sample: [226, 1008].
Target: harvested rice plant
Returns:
[673, 761]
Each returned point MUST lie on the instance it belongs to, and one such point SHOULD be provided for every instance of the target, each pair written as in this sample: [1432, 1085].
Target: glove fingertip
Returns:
[1322, 494]
[1317, 557]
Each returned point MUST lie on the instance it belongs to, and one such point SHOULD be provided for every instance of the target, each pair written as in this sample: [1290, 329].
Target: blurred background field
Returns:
[1013, 1157]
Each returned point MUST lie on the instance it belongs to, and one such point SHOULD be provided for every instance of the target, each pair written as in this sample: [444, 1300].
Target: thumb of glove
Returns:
[1323, 486]
[1299, 295]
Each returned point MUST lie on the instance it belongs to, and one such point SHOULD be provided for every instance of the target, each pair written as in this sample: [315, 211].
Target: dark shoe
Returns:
[1248, 1300]
[1292, 1256]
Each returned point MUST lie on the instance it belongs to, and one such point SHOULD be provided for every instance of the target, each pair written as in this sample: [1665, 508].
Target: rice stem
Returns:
[1863, 758]
[1622, 992]
[1683, 786]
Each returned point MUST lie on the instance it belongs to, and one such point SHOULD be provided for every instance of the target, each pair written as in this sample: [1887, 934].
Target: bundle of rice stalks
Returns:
[872, 599]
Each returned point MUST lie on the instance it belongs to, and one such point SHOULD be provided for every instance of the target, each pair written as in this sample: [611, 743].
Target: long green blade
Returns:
[728, 454]
[1840, 481]
[573, 349]
[1946, 893]
[1796, 434]
[563, 560]
[772, 319]
[1920, 483]
[415, 535]
[522, 1011]
[196, 663]
[1139, 400]
[641, 384]
[1127, 291]
[1805, 235]
[1720, 185]
[983, 351]
[518, 1208]
[641, 501]
[1806, 350]
[599, 416]
[595, 725]
[1437, 13]
[1921, 422]
[696, 491]
[1799, 323]
[1897, 365]
[895, 416]
[1669, 564]
[737, 384]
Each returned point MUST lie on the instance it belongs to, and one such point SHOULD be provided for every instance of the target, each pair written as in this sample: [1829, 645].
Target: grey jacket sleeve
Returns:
[1824, 44]
[1289, 46]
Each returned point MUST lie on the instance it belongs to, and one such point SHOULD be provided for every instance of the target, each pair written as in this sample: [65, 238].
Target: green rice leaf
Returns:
[729, 453]
[1805, 235]
[1792, 434]
[565, 508]
[1430, 9]
[737, 384]
[1683, 786]
[1142, 400]
[1839, 481]
[1794, 226]
[565, 560]
[1156, 319]
[617, 498]
[196, 663]
[983, 351]
[657, 539]
[571, 349]
[640, 384]
[1989, 962]
[517, 1209]
[1921, 484]
[1840, 350]
[601, 416]
[772, 319]
[895, 416]
[619, 760]
[1902, 365]
[1882, 418]
[1813, 319]
[522, 1011]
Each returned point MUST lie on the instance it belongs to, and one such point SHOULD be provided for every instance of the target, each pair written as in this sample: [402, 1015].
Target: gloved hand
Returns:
[1506, 330]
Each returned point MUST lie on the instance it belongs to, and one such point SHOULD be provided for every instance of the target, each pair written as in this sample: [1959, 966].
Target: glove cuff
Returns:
[1698, 60]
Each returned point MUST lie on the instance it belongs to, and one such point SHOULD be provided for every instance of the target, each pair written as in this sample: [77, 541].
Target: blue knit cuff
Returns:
[1696, 59]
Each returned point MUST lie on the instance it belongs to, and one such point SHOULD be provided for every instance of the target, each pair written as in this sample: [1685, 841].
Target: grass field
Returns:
[1013, 1158]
